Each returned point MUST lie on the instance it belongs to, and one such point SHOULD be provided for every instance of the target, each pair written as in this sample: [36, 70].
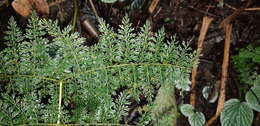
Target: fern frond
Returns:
[57, 79]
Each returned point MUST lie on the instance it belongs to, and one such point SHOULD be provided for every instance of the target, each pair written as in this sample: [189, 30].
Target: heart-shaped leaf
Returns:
[236, 113]
[197, 119]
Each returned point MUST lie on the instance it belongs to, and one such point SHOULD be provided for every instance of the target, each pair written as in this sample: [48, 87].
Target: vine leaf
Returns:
[236, 113]
[253, 98]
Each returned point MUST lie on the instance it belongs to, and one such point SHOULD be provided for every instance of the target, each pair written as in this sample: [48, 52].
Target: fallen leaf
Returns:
[25, 7]
[22, 7]
[41, 6]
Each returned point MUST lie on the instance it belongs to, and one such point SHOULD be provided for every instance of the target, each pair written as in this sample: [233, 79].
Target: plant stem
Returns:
[60, 99]
[75, 15]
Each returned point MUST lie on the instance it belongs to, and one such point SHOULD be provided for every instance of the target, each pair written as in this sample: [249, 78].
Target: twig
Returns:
[231, 17]
[153, 5]
[93, 8]
[228, 36]
[203, 12]
[222, 96]
[205, 25]
[252, 9]
[246, 9]
[228, 31]
[157, 12]
[88, 26]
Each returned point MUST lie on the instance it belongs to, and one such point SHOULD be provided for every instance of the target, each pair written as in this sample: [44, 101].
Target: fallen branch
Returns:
[93, 7]
[205, 25]
[222, 96]
[89, 27]
[252, 9]
[153, 5]
[231, 17]
[246, 9]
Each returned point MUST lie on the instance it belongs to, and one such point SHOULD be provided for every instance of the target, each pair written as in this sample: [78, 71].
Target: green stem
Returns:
[60, 99]
[75, 15]
[27, 76]
[126, 65]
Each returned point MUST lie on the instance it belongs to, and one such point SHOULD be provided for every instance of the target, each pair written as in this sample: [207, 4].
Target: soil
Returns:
[182, 18]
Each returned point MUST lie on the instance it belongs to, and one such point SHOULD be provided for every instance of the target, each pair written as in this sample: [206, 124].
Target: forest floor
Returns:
[183, 18]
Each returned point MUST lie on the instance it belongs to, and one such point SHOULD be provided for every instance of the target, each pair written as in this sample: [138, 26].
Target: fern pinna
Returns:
[49, 76]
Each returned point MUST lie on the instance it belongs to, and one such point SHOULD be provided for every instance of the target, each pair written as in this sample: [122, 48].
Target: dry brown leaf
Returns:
[41, 6]
[22, 7]
[25, 7]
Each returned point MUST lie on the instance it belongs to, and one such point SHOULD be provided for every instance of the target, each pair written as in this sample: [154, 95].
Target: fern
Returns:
[242, 112]
[246, 63]
[51, 77]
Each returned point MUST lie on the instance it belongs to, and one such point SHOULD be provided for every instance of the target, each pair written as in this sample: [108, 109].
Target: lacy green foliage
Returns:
[246, 63]
[49, 76]
[237, 113]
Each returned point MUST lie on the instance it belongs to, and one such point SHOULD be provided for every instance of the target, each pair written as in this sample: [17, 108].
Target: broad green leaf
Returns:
[187, 110]
[197, 119]
[253, 98]
[236, 113]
